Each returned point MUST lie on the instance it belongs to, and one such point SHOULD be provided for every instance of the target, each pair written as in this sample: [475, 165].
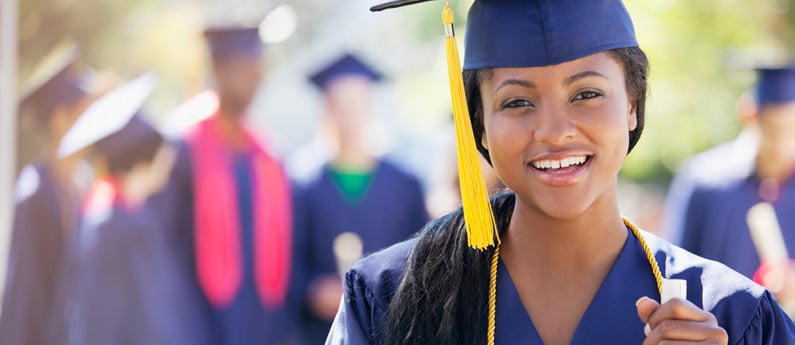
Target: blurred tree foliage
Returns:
[93, 24]
[695, 82]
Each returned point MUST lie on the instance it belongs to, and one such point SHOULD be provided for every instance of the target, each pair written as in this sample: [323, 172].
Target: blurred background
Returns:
[699, 52]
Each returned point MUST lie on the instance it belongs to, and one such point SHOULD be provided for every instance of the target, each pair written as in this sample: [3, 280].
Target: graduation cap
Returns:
[225, 42]
[108, 115]
[517, 33]
[776, 85]
[345, 65]
[54, 82]
[527, 33]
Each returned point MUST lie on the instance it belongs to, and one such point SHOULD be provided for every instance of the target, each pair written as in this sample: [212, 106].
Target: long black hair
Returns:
[443, 294]
[441, 298]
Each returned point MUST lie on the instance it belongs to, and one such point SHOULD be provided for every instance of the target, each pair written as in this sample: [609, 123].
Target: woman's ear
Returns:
[632, 116]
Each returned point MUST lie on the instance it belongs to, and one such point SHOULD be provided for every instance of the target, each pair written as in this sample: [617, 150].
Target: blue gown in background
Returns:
[749, 314]
[120, 285]
[391, 211]
[245, 321]
[44, 214]
[716, 226]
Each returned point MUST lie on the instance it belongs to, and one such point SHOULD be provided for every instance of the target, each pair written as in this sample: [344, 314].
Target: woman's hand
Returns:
[679, 322]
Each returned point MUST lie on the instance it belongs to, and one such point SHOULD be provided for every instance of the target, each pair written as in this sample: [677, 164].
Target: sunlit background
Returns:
[700, 55]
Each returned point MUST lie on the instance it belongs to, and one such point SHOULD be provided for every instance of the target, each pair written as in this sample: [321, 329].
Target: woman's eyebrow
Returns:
[519, 82]
[582, 75]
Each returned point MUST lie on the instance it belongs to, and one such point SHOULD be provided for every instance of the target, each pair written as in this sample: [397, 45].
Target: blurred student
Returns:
[46, 201]
[719, 166]
[358, 203]
[120, 283]
[718, 222]
[227, 203]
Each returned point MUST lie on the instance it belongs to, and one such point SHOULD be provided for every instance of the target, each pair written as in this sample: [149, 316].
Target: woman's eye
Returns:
[586, 95]
[517, 103]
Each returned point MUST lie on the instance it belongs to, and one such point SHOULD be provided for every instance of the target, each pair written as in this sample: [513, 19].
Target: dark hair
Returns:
[442, 297]
[636, 71]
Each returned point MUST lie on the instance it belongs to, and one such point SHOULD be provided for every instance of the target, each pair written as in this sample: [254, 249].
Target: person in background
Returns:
[719, 222]
[358, 202]
[46, 200]
[717, 167]
[120, 282]
[227, 204]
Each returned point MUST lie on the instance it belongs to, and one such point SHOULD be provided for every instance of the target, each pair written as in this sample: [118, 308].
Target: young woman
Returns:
[556, 92]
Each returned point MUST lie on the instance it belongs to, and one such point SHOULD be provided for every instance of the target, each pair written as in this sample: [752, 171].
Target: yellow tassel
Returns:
[478, 216]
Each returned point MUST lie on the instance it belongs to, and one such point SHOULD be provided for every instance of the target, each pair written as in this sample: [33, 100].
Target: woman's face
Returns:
[558, 135]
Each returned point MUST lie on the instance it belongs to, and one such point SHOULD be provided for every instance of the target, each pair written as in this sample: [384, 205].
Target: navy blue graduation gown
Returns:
[749, 314]
[44, 213]
[245, 321]
[120, 285]
[391, 211]
[716, 226]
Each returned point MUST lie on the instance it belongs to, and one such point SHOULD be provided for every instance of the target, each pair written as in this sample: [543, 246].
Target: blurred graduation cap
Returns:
[109, 115]
[54, 82]
[776, 85]
[226, 42]
[346, 65]
[517, 33]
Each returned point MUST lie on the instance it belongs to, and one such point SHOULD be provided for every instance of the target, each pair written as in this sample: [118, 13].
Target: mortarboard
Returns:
[137, 141]
[108, 115]
[347, 64]
[518, 33]
[54, 82]
[539, 32]
[233, 41]
[776, 85]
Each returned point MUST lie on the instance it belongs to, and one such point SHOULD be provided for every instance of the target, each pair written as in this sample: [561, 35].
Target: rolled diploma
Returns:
[673, 288]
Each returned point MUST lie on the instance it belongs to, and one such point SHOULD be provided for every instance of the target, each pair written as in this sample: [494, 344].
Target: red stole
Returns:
[217, 224]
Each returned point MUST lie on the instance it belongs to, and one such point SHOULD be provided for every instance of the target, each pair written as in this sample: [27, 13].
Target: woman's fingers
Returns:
[688, 332]
[678, 322]
[646, 307]
[678, 309]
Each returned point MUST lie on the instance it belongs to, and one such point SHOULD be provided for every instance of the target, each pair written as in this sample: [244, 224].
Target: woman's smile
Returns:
[561, 169]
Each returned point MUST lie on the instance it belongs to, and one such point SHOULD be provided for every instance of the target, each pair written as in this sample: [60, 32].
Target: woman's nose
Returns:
[553, 126]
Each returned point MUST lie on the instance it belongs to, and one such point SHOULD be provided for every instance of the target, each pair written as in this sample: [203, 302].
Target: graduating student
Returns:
[717, 167]
[719, 221]
[358, 202]
[556, 92]
[227, 205]
[46, 201]
[120, 282]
